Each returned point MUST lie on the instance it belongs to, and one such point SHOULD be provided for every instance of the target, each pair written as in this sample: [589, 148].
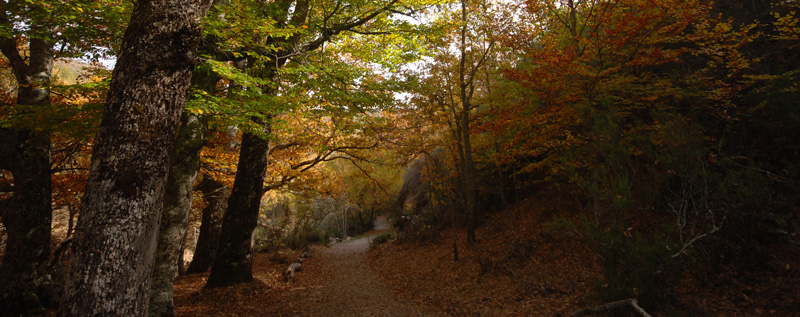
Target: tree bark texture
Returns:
[26, 286]
[233, 263]
[183, 167]
[216, 195]
[116, 234]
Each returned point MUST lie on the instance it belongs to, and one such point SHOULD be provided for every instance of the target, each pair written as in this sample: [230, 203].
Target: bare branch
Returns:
[281, 147]
[365, 173]
[329, 32]
[632, 302]
[370, 33]
[9, 48]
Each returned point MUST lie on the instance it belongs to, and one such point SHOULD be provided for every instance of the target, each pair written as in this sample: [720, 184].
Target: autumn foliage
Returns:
[650, 146]
[650, 113]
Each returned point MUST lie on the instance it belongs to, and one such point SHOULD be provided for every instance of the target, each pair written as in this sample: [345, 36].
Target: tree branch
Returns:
[281, 147]
[632, 302]
[59, 170]
[370, 33]
[328, 33]
[8, 46]
[326, 157]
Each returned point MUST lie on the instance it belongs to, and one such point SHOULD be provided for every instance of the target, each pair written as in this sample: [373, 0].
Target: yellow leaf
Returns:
[304, 26]
[200, 111]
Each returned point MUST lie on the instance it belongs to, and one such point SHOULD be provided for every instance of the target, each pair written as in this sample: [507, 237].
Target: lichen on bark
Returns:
[116, 234]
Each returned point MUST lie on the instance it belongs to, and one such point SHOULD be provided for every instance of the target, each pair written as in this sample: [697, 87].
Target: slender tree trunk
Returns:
[468, 166]
[26, 286]
[216, 194]
[469, 181]
[117, 230]
[233, 263]
[184, 164]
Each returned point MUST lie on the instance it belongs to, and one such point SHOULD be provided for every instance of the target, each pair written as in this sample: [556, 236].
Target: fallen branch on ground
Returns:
[632, 302]
[297, 266]
[289, 273]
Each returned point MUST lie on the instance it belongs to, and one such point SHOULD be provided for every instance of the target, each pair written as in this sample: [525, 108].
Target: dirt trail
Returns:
[338, 281]
[335, 281]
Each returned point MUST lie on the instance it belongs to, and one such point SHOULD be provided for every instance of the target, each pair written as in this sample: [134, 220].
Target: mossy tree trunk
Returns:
[184, 165]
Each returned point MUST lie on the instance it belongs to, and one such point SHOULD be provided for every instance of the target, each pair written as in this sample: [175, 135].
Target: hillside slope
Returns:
[523, 265]
[530, 264]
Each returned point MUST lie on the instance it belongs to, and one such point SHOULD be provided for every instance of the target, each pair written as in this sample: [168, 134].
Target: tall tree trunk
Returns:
[468, 166]
[184, 164]
[216, 195]
[26, 286]
[116, 234]
[233, 263]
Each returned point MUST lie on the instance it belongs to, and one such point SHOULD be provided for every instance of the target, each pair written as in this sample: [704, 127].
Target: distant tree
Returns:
[116, 235]
[462, 71]
[216, 195]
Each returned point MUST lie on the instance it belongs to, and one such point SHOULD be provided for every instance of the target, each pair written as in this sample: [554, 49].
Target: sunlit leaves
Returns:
[787, 24]
[79, 28]
[75, 110]
[244, 27]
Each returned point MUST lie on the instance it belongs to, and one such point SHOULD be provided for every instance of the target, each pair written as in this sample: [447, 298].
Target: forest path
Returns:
[337, 281]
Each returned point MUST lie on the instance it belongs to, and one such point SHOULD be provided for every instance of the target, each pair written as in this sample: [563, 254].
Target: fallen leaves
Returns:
[523, 266]
[519, 268]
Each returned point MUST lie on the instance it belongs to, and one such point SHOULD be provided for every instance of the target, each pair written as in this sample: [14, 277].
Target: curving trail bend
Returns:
[337, 281]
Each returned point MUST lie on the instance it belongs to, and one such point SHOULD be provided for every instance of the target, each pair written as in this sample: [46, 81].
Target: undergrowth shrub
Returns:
[298, 223]
[357, 227]
[381, 239]
[633, 265]
[431, 197]
[268, 238]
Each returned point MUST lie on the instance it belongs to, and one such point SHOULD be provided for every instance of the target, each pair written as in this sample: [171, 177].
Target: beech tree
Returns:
[27, 214]
[29, 31]
[183, 168]
[306, 28]
[471, 60]
[115, 238]
[633, 105]
[216, 195]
